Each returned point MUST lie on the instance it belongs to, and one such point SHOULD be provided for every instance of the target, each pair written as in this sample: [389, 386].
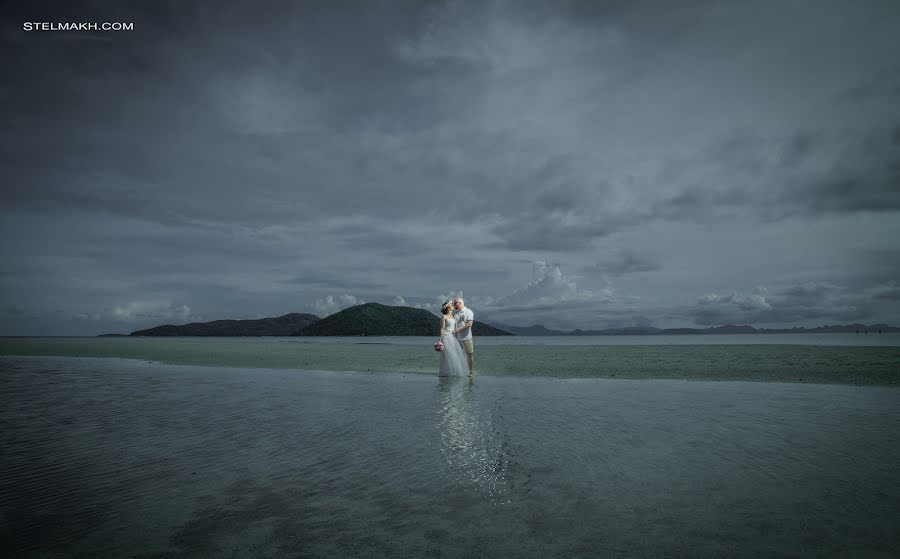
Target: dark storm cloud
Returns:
[224, 158]
[805, 173]
[866, 177]
[304, 128]
[625, 261]
[158, 249]
[889, 294]
[551, 231]
[798, 147]
[334, 282]
[226, 112]
[882, 84]
[370, 237]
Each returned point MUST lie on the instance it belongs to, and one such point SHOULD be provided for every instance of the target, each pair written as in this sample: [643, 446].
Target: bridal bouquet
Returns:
[438, 346]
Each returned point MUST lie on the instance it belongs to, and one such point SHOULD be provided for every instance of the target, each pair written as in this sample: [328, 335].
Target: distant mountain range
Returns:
[369, 319]
[374, 319]
[539, 330]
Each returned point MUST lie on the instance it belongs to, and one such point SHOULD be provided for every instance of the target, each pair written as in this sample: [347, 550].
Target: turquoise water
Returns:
[835, 339]
[828, 358]
[110, 458]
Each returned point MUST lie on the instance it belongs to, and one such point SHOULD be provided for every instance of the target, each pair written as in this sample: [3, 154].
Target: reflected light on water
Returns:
[476, 456]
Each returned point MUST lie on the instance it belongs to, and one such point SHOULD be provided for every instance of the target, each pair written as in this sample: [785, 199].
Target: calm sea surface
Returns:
[835, 339]
[124, 458]
[820, 358]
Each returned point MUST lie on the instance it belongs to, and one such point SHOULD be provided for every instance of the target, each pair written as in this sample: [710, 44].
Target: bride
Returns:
[453, 360]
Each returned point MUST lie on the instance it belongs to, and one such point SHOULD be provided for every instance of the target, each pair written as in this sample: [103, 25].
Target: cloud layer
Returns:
[579, 164]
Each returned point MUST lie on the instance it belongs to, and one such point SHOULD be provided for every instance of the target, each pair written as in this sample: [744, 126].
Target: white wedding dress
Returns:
[453, 358]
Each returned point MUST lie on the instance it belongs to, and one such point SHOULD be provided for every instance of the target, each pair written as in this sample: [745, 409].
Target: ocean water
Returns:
[125, 458]
[823, 358]
[827, 339]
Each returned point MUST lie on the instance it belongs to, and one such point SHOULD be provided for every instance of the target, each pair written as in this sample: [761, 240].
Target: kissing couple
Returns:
[455, 341]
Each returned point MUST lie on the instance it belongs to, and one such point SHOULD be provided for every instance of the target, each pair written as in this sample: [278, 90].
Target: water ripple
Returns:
[115, 458]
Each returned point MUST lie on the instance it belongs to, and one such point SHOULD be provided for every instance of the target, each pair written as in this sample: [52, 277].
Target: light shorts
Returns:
[468, 346]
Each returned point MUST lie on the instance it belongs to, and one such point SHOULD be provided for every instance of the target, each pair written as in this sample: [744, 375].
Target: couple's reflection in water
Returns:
[478, 455]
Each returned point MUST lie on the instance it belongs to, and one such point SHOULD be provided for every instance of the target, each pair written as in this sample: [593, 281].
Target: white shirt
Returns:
[463, 316]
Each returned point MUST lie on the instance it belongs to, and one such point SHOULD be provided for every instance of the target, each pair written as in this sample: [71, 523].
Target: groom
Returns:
[464, 320]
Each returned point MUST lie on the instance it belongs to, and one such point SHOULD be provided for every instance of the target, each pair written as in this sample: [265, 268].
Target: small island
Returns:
[375, 319]
[369, 319]
[284, 325]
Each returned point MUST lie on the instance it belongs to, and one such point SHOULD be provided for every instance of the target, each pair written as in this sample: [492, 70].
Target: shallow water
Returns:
[508, 356]
[827, 339]
[118, 458]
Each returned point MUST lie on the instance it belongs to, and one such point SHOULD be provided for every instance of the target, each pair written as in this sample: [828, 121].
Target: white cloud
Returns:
[444, 297]
[401, 302]
[554, 299]
[757, 300]
[330, 304]
[812, 302]
[551, 287]
[137, 311]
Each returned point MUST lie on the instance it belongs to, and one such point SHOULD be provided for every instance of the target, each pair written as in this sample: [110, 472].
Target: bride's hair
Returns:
[445, 308]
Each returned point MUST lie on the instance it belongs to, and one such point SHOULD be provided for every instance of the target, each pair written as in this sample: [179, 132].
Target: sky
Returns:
[584, 165]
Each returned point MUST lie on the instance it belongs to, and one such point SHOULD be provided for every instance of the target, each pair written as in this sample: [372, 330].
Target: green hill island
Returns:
[369, 319]
[284, 325]
[375, 319]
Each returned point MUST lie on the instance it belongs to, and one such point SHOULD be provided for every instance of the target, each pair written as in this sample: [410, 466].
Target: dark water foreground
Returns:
[117, 458]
